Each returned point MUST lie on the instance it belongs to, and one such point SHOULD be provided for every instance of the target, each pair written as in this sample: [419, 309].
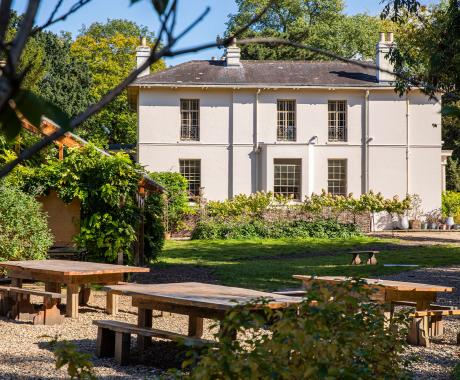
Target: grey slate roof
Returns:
[264, 73]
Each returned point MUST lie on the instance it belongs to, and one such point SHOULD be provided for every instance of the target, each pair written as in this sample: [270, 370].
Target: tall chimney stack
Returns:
[142, 53]
[386, 42]
[232, 57]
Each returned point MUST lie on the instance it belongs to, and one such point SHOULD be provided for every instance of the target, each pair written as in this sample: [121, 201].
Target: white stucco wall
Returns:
[233, 124]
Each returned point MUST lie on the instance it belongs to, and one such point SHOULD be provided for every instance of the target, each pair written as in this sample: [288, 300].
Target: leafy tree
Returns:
[318, 23]
[428, 53]
[109, 51]
[67, 80]
[453, 175]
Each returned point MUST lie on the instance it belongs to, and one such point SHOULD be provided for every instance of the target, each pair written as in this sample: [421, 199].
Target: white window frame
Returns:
[190, 119]
[286, 127]
[194, 185]
[293, 166]
[334, 183]
[337, 121]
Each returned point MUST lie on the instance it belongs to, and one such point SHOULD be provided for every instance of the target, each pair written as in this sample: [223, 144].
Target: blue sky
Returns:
[142, 13]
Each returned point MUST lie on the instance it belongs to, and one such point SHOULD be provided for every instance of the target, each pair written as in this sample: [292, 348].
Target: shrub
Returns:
[154, 231]
[334, 333]
[24, 233]
[177, 197]
[450, 203]
[255, 228]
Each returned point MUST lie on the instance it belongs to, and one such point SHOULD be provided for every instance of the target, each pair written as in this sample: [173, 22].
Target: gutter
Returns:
[407, 145]
[366, 143]
[256, 140]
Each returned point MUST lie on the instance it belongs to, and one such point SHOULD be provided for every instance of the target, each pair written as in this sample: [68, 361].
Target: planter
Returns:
[424, 225]
[404, 223]
[432, 226]
[415, 224]
[450, 222]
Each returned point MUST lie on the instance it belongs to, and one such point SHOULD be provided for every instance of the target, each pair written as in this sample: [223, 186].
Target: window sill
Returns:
[337, 143]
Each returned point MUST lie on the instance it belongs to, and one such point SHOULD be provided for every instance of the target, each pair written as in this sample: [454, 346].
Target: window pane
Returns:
[286, 128]
[191, 170]
[337, 120]
[337, 177]
[287, 178]
[190, 119]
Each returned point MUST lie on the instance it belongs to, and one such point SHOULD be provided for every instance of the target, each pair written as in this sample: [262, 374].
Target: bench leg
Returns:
[112, 303]
[418, 332]
[72, 301]
[436, 325]
[144, 319]
[356, 259]
[122, 347]
[105, 343]
[372, 260]
[54, 287]
[195, 327]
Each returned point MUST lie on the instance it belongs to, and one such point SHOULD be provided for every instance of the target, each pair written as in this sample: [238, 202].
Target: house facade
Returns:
[291, 127]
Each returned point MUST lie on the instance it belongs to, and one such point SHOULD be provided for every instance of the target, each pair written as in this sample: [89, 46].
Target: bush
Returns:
[24, 233]
[334, 333]
[248, 229]
[154, 231]
[177, 197]
[450, 203]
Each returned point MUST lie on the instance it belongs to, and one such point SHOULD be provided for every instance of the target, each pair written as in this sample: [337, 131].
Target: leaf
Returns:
[10, 125]
[33, 107]
[452, 111]
[160, 5]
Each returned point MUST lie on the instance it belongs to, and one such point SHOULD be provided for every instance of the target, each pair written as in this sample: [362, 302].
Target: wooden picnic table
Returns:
[197, 300]
[74, 274]
[388, 291]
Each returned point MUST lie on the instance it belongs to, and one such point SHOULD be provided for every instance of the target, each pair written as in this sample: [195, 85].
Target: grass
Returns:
[269, 264]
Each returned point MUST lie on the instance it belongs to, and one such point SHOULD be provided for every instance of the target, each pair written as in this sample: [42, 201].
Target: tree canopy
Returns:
[109, 51]
[318, 23]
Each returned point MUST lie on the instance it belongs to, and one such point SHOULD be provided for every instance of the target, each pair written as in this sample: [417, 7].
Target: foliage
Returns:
[106, 187]
[456, 371]
[79, 365]
[453, 174]
[256, 228]
[154, 228]
[320, 23]
[428, 52]
[176, 202]
[335, 332]
[108, 49]
[450, 203]
[24, 233]
[67, 80]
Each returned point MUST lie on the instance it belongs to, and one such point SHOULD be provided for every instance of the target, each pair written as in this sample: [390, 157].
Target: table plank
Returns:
[395, 285]
[69, 268]
[199, 295]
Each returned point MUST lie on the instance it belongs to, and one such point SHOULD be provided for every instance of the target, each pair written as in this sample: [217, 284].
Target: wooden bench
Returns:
[372, 259]
[114, 339]
[426, 324]
[15, 304]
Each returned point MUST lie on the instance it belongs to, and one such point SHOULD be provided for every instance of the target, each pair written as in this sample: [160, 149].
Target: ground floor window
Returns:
[288, 173]
[191, 170]
[337, 177]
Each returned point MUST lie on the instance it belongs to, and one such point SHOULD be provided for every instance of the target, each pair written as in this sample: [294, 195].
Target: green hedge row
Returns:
[329, 228]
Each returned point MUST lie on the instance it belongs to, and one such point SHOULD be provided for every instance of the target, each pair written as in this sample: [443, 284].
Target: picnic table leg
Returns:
[372, 260]
[72, 300]
[144, 319]
[84, 295]
[195, 326]
[54, 287]
[112, 303]
[356, 259]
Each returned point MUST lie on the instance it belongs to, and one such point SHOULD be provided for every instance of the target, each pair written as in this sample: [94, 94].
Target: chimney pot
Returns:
[382, 36]
[142, 54]
[384, 66]
[233, 53]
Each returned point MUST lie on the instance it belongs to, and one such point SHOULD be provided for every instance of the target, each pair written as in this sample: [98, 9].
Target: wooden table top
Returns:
[200, 295]
[393, 285]
[69, 268]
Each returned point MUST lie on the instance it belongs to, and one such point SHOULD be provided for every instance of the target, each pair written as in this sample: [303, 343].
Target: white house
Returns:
[293, 127]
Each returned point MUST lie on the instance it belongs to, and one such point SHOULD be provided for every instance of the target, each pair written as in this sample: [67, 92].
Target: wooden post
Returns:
[144, 320]
[122, 347]
[112, 303]
[85, 295]
[195, 327]
[105, 343]
[72, 300]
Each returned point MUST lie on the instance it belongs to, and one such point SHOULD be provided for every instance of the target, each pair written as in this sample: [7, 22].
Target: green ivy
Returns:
[106, 187]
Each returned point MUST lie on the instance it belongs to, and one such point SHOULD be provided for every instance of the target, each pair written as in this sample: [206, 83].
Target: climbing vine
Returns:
[106, 187]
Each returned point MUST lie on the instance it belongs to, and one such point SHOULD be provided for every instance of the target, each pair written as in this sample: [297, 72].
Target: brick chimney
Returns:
[232, 56]
[142, 53]
[384, 46]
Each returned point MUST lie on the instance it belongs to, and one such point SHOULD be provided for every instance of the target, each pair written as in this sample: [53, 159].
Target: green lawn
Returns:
[269, 264]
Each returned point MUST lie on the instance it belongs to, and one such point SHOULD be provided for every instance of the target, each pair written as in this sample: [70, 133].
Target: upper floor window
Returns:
[287, 175]
[337, 118]
[286, 130]
[191, 170]
[190, 119]
[337, 177]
